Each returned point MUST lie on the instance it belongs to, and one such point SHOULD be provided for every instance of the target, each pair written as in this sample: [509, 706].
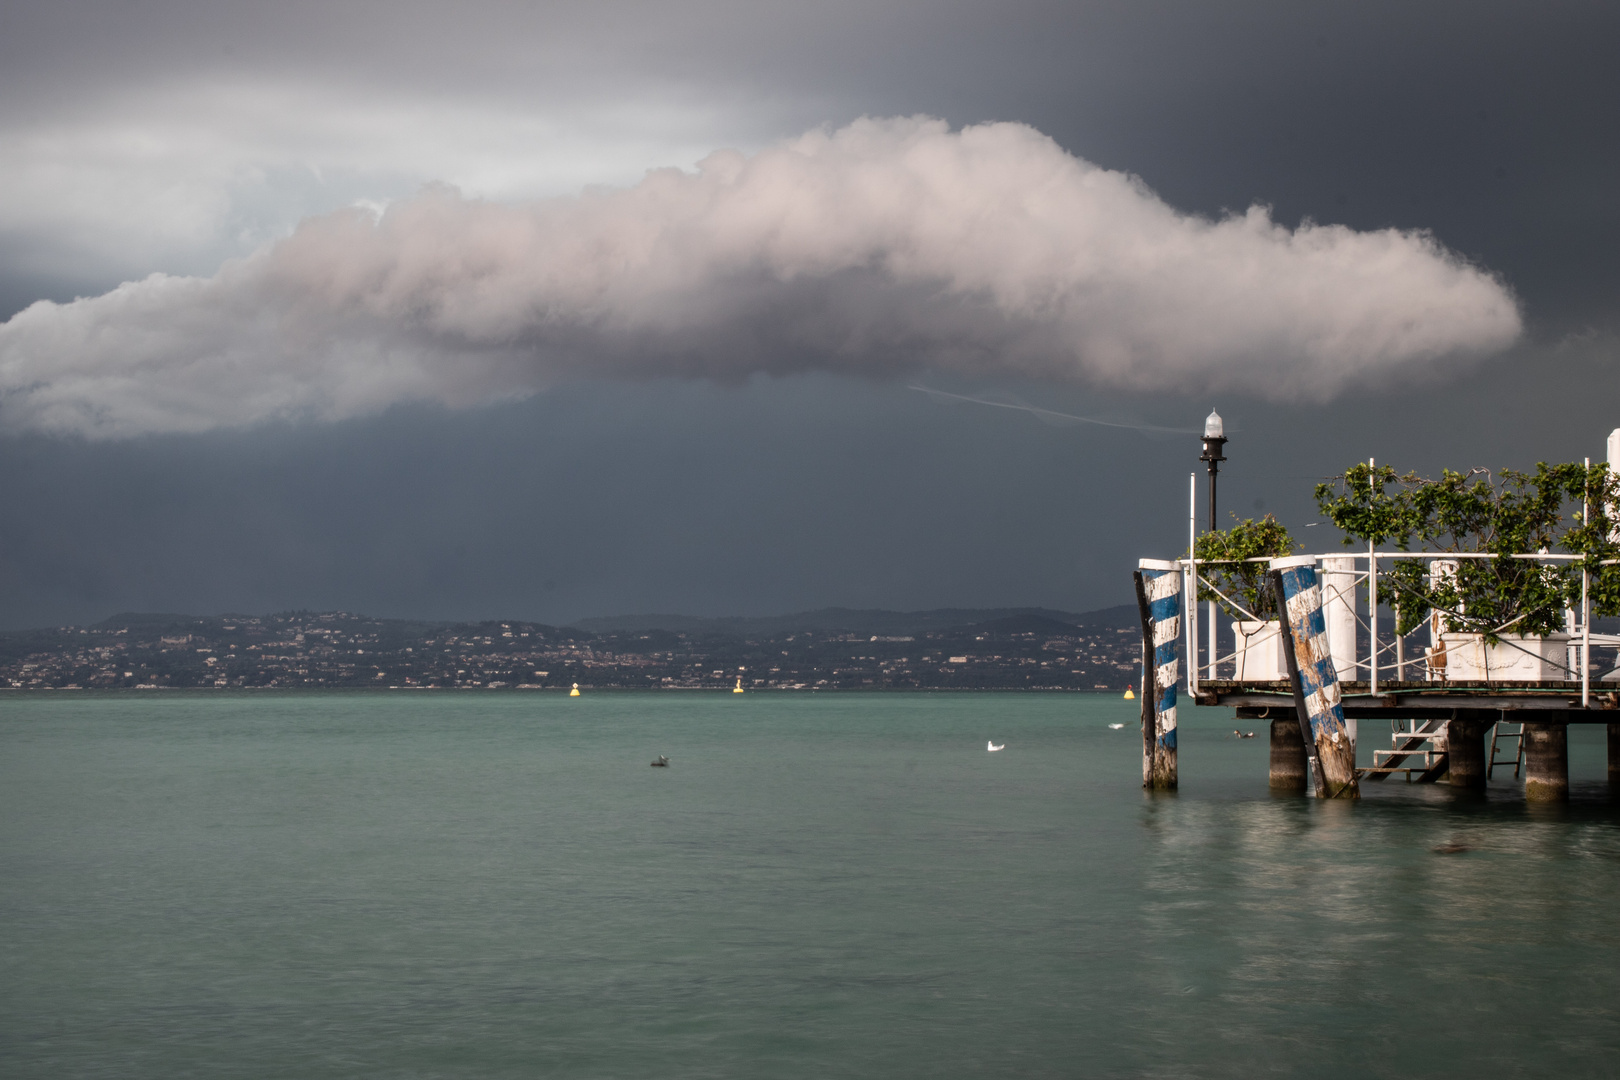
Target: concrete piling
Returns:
[1288, 764]
[1465, 751]
[1546, 762]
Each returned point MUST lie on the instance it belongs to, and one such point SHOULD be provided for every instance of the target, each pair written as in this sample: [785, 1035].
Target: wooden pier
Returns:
[1454, 731]
[1448, 725]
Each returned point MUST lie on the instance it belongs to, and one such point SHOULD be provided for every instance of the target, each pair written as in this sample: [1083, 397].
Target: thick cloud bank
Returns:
[882, 247]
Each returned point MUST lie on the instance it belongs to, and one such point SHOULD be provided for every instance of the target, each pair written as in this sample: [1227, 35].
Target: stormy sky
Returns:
[559, 310]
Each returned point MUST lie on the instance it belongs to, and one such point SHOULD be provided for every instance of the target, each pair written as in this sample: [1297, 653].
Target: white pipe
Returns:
[1192, 584]
[1400, 646]
[1540, 555]
[1213, 615]
[1586, 642]
[1372, 593]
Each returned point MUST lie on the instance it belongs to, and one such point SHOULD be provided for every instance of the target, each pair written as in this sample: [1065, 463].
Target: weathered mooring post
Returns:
[1465, 750]
[1546, 762]
[1158, 596]
[1314, 678]
[1289, 768]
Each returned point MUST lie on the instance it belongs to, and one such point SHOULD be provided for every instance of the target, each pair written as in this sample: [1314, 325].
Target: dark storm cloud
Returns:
[774, 496]
[878, 248]
[160, 136]
[169, 137]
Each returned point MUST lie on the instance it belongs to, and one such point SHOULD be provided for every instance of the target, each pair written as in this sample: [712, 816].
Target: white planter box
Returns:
[1516, 659]
[1259, 651]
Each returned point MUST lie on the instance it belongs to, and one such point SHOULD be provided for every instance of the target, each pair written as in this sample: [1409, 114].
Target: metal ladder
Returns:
[1412, 739]
[1499, 735]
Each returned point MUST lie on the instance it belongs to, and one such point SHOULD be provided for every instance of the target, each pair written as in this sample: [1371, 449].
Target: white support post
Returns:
[1400, 646]
[1372, 594]
[1614, 470]
[1440, 665]
[1213, 612]
[1586, 611]
[1339, 613]
[1586, 641]
[1191, 606]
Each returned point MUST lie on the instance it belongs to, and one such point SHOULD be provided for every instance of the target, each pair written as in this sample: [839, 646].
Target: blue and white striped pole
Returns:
[1328, 745]
[1160, 597]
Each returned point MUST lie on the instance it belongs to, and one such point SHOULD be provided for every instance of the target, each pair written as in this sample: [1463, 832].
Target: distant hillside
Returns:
[833, 649]
[866, 621]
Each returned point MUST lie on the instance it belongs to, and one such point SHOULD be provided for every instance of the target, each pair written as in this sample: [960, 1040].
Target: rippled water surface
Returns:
[497, 885]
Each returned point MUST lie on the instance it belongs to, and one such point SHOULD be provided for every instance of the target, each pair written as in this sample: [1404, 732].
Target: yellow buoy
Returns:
[1130, 695]
[575, 691]
[739, 688]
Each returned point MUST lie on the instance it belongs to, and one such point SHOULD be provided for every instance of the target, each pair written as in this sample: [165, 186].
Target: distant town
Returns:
[836, 649]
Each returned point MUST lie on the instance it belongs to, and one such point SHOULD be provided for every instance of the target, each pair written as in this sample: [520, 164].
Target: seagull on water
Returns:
[992, 747]
[1116, 727]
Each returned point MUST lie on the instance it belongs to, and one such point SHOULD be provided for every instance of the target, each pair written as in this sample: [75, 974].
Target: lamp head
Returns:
[1214, 439]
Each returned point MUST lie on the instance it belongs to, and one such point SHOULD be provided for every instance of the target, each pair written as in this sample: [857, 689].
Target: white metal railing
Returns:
[1192, 580]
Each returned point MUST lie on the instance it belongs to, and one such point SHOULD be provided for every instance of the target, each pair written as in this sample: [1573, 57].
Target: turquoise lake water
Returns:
[497, 885]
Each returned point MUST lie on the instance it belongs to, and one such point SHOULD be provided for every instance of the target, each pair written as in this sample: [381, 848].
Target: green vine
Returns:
[1244, 582]
[1512, 513]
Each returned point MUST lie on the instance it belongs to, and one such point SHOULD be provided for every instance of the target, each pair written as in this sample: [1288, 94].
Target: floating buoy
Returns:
[1130, 695]
[575, 691]
[739, 688]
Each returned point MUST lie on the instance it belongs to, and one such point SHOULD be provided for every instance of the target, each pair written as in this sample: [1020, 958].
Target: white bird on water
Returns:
[1116, 727]
[992, 747]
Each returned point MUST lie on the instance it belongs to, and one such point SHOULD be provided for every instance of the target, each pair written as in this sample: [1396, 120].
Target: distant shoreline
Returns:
[1027, 649]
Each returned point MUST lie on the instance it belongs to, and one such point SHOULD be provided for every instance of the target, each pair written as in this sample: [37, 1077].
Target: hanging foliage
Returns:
[1564, 509]
[1242, 582]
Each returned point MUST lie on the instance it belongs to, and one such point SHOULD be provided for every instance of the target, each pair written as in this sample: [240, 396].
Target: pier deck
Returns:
[1552, 702]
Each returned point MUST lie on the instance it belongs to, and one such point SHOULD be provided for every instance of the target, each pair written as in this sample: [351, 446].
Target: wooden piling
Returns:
[1329, 752]
[1150, 732]
[1465, 751]
[1546, 762]
[1289, 769]
[1158, 597]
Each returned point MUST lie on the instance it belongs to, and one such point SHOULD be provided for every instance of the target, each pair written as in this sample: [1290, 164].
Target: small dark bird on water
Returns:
[661, 763]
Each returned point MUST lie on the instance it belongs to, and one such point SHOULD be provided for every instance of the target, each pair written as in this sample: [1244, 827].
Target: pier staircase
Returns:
[1502, 736]
[1417, 749]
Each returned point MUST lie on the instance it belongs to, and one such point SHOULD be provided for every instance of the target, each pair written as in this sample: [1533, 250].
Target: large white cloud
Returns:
[182, 173]
[882, 247]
